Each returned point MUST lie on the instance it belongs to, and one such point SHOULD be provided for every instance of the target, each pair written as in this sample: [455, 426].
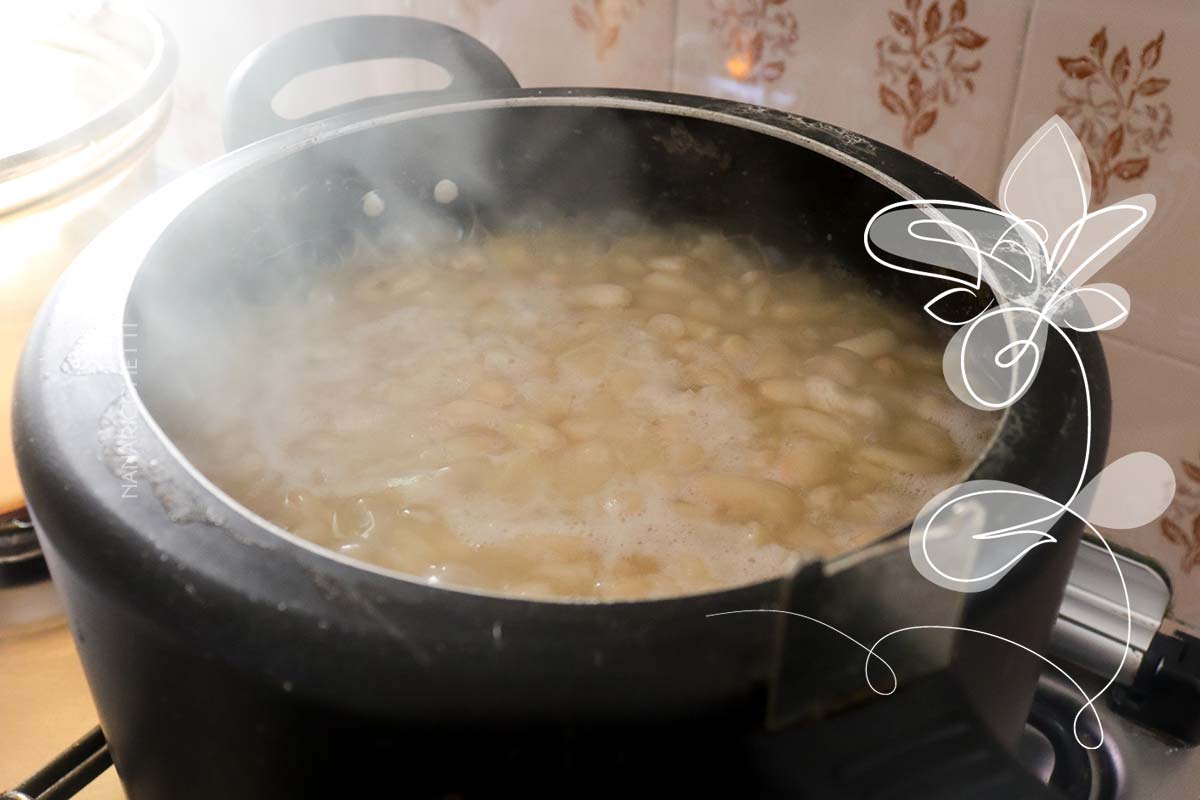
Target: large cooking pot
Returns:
[230, 659]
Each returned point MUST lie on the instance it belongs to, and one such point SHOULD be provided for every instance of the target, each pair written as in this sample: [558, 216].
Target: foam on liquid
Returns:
[462, 416]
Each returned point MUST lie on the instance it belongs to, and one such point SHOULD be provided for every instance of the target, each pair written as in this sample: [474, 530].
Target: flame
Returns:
[739, 66]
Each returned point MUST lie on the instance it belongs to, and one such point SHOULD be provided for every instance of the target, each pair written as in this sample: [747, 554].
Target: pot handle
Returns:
[346, 40]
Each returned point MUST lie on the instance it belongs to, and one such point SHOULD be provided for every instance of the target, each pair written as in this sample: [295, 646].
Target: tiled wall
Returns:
[1138, 115]
[959, 83]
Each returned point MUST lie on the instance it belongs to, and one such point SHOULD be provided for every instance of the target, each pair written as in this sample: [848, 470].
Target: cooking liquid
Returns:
[572, 414]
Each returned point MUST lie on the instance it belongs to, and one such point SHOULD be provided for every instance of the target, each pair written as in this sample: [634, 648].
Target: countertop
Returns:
[44, 706]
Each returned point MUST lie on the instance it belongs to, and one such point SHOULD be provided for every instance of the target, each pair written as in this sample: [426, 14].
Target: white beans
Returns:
[666, 326]
[927, 438]
[705, 308]
[581, 428]
[669, 282]
[585, 467]
[668, 264]
[874, 344]
[466, 413]
[817, 424]
[825, 500]
[889, 367]
[699, 329]
[578, 415]
[728, 292]
[533, 435]
[843, 366]
[901, 462]
[737, 348]
[786, 312]
[825, 395]
[756, 298]
[804, 463]
[494, 392]
[742, 498]
[461, 447]
[774, 361]
[600, 295]
[785, 391]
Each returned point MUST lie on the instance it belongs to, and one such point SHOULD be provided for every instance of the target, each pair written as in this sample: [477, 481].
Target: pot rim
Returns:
[288, 142]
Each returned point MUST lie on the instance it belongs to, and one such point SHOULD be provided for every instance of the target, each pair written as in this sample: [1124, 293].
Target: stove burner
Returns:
[1049, 750]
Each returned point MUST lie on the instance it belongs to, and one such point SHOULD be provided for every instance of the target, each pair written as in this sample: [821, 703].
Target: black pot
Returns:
[228, 658]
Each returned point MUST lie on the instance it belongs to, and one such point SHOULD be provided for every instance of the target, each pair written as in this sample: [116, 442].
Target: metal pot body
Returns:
[227, 657]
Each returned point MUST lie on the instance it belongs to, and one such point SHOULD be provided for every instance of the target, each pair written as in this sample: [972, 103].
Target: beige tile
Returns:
[1159, 268]
[617, 43]
[832, 60]
[211, 44]
[1154, 408]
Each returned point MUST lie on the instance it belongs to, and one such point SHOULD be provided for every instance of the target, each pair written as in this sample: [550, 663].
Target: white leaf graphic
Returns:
[917, 231]
[1095, 238]
[973, 244]
[1048, 180]
[1019, 248]
[1130, 492]
[1098, 307]
[943, 316]
[969, 536]
[992, 362]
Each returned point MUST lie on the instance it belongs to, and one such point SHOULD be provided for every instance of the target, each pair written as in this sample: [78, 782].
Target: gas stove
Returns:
[1150, 716]
[1134, 763]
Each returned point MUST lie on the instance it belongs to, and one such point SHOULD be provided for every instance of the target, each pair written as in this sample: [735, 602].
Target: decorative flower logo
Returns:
[1108, 104]
[757, 36]
[921, 63]
[604, 18]
[1036, 254]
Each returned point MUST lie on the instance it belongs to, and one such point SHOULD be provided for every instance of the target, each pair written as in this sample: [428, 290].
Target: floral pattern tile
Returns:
[1121, 74]
[934, 77]
[926, 63]
[624, 43]
[1126, 77]
[756, 37]
[1181, 524]
[210, 47]
[1154, 409]
[603, 20]
[1108, 104]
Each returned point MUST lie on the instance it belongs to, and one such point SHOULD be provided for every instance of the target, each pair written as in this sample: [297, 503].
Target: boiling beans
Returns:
[571, 413]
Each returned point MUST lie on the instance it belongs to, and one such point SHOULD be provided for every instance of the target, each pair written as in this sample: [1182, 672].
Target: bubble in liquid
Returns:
[372, 204]
[445, 191]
